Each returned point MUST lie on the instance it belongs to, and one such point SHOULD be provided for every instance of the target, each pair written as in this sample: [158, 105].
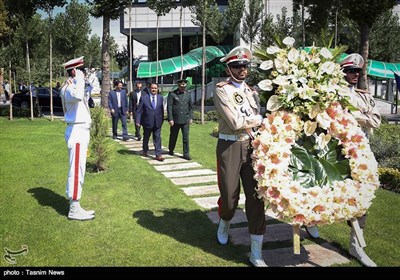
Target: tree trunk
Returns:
[105, 84]
[11, 89]
[28, 68]
[181, 39]
[157, 51]
[203, 74]
[51, 72]
[364, 51]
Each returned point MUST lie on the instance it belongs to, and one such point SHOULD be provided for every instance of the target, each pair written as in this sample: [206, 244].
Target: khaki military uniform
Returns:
[238, 113]
[368, 115]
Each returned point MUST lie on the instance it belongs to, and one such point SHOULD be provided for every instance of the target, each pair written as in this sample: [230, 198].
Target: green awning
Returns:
[191, 60]
[381, 69]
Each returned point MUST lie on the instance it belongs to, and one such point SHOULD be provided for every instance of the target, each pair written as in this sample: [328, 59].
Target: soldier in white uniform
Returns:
[77, 135]
[238, 113]
[368, 118]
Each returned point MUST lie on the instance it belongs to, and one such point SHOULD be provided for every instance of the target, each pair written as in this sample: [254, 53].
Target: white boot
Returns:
[312, 231]
[222, 232]
[358, 252]
[256, 257]
[76, 212]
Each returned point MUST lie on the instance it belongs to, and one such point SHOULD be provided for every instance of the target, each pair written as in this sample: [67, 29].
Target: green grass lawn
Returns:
[142, 219]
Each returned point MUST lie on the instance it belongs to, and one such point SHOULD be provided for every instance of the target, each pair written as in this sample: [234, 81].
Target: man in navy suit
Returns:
[150, 115]
[118, 105]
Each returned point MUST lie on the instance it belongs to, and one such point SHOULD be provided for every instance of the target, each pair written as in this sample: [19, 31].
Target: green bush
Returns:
[385, 143]
[390, 179]
[100, 144]
[212, 116]
[19, 112]
[196, 116]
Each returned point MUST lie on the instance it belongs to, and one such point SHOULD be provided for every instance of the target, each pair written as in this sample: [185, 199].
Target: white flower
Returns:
[293, 55]
[327, 67]
[326, 53]
[273, 50]
[266, 65]
[273, 103]
[289, 41]
[265, 85]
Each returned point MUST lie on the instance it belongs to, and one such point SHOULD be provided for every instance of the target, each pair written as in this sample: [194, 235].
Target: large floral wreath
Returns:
[313, 162]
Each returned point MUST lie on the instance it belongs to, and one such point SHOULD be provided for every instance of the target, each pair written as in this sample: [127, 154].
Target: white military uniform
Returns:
[77, 133]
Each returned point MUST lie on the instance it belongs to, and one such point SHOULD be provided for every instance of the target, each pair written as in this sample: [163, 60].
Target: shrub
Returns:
[18, 112]
[385, 143]
[196, 116]
[100, 144]
[390, 179]
[212, 116]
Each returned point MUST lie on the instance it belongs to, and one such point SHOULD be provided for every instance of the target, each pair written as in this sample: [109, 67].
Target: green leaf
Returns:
[300, 158]
[304, 177]
[331, 172]
[344, 168]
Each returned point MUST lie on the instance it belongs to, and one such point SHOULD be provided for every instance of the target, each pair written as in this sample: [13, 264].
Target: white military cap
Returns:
[352, 61]
[73, 63]
[237, 56]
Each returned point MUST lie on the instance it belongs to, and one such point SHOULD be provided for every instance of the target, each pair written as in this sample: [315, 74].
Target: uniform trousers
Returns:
[77, 137]
[173, 136]
[234, 163]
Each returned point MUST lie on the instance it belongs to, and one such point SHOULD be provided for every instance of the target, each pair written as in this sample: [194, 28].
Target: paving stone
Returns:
[188, 173]
[211, 202]
[167, 161]
[239, 217]
[274, 233]
[201, 190]
[188, 165]
[312, 255]
[194, 180]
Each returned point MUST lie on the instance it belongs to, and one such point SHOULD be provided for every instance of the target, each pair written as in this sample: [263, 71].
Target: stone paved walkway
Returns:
[201, 185]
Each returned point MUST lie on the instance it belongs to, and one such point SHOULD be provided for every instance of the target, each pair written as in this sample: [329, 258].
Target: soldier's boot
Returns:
[358, 252]
[256, 257]
[222, 232]
[76, 212]
[312, 231]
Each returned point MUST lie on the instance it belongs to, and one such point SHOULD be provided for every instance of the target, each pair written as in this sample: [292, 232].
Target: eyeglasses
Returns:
[352, 71]
[239, 66]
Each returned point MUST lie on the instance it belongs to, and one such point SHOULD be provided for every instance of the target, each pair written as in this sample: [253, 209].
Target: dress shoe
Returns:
[171, 153]
[256, 257]
[313, 231]
[187, 157]
[138, 138]
[144, 154]
[222, 232]
[126, 139]
[159, 158]
[358, 252]
[114, 136]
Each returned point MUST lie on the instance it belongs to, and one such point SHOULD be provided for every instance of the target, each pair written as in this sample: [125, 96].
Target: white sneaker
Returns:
[256, 257]
[313, 231]
[80, 214]
[222, 232]
[358, 252]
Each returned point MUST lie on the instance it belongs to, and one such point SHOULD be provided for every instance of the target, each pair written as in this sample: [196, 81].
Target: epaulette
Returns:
[223, 83]
[362, 90]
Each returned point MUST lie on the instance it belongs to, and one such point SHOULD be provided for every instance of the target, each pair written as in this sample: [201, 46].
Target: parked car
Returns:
[22, 100]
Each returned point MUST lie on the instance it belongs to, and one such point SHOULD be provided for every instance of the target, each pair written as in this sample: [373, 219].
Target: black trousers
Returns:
[173, 136]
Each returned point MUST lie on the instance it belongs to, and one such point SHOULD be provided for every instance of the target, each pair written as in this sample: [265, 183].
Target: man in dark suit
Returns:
[118, 105]
[150, 114]
[180, 116]
[134, 99]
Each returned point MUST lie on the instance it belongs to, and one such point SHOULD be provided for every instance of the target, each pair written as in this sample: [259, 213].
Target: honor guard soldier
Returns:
[368, 117]
[238, 111]
[77, 135]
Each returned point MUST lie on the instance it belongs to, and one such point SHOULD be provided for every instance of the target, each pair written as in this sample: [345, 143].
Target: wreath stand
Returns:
[354, 225]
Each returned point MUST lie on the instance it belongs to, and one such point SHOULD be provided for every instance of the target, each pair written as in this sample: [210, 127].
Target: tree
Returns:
[48, 6]
[93, 52]
[365, 13]
[4, 28]
[109, 10]
[252, 22]
[71, 30]
[385, 38]
[201, 9]
[161, 8]
[122, 58]
[271, 31]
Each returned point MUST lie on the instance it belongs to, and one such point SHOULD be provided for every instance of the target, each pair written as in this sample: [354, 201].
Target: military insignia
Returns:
[240, 55]
[238, 98]
[372, 102]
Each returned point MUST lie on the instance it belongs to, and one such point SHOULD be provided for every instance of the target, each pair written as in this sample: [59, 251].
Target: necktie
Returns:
[153, 102]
